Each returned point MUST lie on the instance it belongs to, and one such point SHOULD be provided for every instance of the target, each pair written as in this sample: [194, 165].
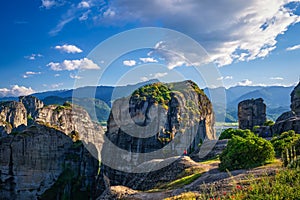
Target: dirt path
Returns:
[220, 181]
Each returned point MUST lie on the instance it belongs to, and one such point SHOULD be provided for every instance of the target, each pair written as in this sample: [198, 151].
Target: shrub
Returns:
[283, 141]
[269, 123]
[228, 133]
[248, 152]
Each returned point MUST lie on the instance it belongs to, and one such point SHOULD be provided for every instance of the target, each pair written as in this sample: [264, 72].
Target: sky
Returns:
[52, 44]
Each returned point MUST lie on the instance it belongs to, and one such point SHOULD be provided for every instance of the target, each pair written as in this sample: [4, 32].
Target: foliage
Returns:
[284, 185]
[157, 92]
[269, 123]
[184, 196]
[283, 141]
[230, 132]
[248, 152]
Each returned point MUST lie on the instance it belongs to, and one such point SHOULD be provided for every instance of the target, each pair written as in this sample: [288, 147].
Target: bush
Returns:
[244, 153]
[269, 123]
[284, 141]
[228, 133]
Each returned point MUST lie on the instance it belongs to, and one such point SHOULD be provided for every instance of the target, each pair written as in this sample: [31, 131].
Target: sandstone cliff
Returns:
[148, 131]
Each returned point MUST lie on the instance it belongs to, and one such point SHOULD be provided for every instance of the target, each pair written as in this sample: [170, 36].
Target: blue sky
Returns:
[44, 43]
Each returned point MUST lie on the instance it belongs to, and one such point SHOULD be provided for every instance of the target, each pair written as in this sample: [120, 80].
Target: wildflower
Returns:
[238, 187]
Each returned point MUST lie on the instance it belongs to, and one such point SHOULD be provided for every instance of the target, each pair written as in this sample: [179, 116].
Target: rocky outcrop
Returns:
[32, 105]
[251, 113]
[149, 130]
[33, 161]
[53, 158]
[295, 100]
[290, 120]
[12, 115]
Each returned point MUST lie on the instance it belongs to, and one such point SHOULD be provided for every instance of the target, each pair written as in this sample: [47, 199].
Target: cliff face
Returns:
[32, 105]
[12, 115]
[46, 160]
[290, 120]
[158, 122]
[251, 113]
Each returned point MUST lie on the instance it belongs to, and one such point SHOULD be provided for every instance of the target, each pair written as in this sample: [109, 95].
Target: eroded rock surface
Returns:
[251, 112]
[148, 130]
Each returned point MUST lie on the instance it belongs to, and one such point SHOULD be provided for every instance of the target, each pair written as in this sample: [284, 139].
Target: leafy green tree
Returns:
[283, 141]
[244, 153]
[230, 132]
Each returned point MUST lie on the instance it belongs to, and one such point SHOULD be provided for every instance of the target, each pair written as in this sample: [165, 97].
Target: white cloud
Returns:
[84, 16]
[74, 76]
[83, 4]
[148, 60]
[160, 75]
[129, 63]
[70, 65]
[61, 24]
[33, 56]
[56, 85]
[230, 30]
[225, 78]
[293, 48]
[154, 76]
[15, 91]
[30, 73]
[109, 13]
[68, 48]
[245, 82]
[48, 3]
[56, 75]
[276, 78]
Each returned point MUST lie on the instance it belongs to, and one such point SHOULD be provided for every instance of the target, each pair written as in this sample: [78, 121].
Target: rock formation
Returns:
[46, 160]
[251, 113]
[32, 105]
[290, 120]
[149, 130]
[12, 115]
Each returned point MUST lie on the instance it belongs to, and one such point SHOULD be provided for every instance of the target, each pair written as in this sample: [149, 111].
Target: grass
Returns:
[184, 196]
[182, 181]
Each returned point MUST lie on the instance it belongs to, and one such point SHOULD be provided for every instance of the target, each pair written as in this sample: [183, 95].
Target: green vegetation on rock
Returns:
[157, 92]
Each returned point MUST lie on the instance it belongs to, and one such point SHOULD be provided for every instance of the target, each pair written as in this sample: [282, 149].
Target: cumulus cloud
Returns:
[69, 65]
[68, 48]
[33, 56]
[148, 60]
[245, 82]
[276, 78]
[230, 30]
[293, 48]
[15, 91]
[129, 63]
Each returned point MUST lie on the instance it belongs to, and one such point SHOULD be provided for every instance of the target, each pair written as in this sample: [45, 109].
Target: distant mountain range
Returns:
[277, 98]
